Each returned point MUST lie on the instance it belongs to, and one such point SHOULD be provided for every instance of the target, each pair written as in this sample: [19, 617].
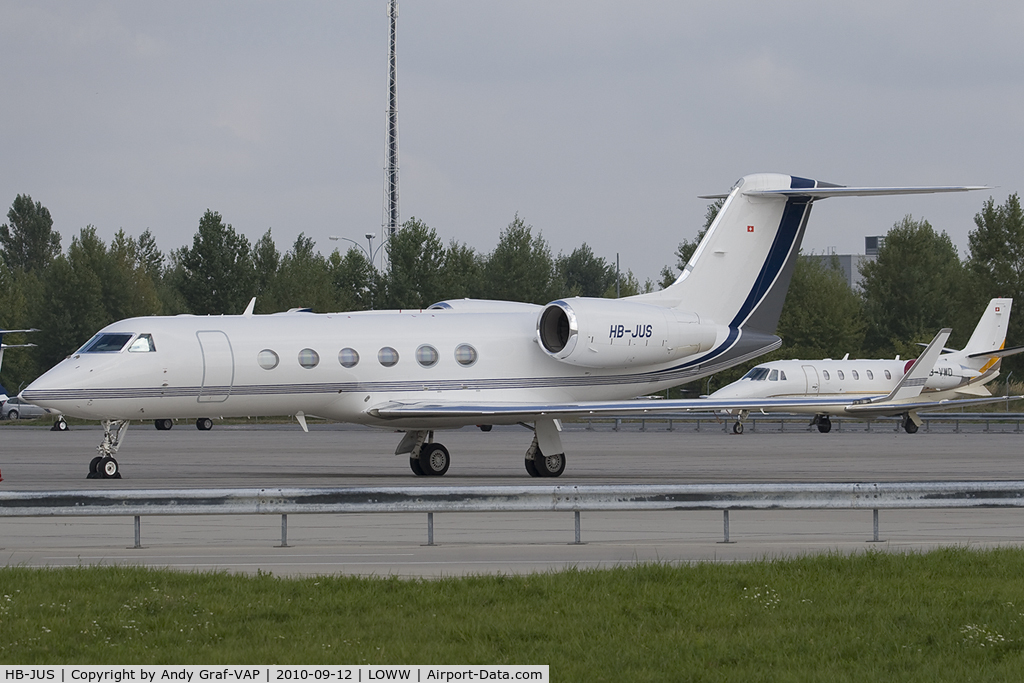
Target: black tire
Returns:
[416, 469]
[531, 468]
[163, 425]
[109, 469]
[434, 459]
[549, 465]
[824, 424]
[204, 424]
[737, 427]
[94, 465]
[12, 414]
[60, 425]
[909, 426]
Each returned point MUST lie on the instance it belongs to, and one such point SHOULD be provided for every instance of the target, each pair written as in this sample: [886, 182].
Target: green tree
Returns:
[581, 273]
[20, 365]
[462, 274]
[266, 261]
[914, 288]
[304, 279]
[416, 255]
[520, 268]
[996, 264]
[822, 317]
[216, 274]
[29, 241]
[354, 279]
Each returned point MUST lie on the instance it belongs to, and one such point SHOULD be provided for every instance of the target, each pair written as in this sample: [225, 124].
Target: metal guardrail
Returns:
[576, 499]
[724, 422]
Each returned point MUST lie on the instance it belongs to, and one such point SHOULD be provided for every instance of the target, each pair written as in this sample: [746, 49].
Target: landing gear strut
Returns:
[103, 466]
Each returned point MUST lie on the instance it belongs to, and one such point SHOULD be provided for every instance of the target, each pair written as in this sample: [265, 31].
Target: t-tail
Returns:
[987, 346]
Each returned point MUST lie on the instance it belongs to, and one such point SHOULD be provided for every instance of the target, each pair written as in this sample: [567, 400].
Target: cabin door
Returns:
[218, 366]
[811, 375]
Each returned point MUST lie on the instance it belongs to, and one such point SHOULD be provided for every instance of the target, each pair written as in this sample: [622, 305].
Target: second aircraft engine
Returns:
[608, 333]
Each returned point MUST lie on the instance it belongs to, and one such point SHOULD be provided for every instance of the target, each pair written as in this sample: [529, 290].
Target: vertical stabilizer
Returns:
[740, 271]
[989, 335]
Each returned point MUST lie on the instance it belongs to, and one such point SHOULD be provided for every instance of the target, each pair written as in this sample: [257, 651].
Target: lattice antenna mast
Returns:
[390, 225]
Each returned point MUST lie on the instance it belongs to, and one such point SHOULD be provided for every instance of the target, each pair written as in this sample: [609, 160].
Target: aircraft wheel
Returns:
[737, 427]
[434, 459]
[414, 463]
[531, 468]
[909, 426]
[108, 468]
[163, 425]
[60, 425]
[204, 424]
[94, 466]
[549, 465]
[824, 424]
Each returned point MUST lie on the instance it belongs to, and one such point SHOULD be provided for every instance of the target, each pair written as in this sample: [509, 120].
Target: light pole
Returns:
[370, 253]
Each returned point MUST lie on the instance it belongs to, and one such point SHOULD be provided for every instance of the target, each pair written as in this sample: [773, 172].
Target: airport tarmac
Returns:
[33, 458]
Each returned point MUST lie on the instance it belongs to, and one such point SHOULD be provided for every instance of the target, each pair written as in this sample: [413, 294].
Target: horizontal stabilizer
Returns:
[839, 191]
[998, 353]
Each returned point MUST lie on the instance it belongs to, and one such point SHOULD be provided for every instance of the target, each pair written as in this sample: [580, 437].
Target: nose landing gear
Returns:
[103, 466]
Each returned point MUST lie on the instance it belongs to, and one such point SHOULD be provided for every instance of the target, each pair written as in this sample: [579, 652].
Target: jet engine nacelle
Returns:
[948, 375]
[607, 333]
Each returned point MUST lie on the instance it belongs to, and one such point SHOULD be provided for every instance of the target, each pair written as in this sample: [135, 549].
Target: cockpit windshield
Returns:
[111, 342]
[756, 374]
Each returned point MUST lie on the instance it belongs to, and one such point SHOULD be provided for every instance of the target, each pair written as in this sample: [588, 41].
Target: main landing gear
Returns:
[824, 423]
[163, 425]
[909, 425]
[428, 458]
[103, 466]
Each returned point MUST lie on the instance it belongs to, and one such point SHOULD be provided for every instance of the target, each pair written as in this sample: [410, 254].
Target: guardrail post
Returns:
[725, 516]
[430, 528]
[138, 532]
[874, 519]
[643, 425]
[956, 428]
[618, 423]
[576, 514]
[698, 424]
[590, 426]
[284, 532]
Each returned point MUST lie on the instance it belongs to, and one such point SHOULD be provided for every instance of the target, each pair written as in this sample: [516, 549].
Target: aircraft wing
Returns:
[653, 408]
[905, 397]
[635, 408]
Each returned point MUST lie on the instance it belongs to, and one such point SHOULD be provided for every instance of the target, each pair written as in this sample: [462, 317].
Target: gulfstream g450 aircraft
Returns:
[459, 363]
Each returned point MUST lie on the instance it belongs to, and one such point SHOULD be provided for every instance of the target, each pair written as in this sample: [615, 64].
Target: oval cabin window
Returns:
[387, 356]
[308, 358]
[267, 359]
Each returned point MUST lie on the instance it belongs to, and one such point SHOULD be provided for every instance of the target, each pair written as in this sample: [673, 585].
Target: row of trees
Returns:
[918, 284]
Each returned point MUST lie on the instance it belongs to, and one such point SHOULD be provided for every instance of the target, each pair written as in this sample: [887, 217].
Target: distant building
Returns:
[850, 263]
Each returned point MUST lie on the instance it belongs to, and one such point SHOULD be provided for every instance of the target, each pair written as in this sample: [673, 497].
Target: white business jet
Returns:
[955, 375]
[461, 362]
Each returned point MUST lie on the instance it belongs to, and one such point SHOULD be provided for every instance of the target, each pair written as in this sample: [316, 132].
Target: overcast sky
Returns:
[597, 122]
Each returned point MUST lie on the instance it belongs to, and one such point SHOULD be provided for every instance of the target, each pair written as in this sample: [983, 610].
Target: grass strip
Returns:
[952, 614]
